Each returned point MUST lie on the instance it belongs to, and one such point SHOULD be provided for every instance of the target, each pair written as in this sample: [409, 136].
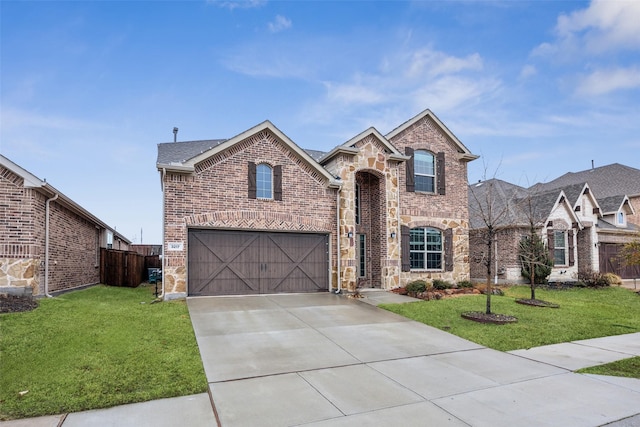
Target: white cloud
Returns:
[352, 94]
[238, 4]
[528, 71]
[434, 63]
[602, 82]
[281, 23]
[604, 26]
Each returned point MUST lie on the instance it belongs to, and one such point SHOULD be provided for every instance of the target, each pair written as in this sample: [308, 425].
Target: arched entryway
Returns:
[370, 228]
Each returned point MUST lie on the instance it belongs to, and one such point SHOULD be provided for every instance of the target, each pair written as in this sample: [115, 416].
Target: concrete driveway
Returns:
[327, 360]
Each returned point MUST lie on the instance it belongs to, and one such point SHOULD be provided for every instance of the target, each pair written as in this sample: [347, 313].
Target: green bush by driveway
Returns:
[96, 348]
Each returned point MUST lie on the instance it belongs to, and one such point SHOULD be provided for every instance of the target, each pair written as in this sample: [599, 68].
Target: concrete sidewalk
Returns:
[329, 360]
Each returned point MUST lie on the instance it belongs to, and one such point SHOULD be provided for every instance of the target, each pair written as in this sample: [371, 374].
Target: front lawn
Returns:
[584, 313]
[96, 348]
[622, 368]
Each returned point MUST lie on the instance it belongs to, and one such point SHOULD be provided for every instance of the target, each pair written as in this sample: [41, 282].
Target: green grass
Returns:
[622, 368]
[583, 313]
[96, 348]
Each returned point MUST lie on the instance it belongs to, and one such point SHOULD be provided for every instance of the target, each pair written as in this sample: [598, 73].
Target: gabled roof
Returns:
[348, 147]
[169, 154]
[605, 181]
[613, 204]
[496, 195]
[32, 181]
[512, 205]
[464, 153]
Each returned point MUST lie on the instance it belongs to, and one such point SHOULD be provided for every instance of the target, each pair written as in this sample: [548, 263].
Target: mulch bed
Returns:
[537, 303]
[481, 317]
[16, 304]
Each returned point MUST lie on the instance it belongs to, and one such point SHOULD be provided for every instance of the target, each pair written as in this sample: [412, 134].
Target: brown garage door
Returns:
[240, 262]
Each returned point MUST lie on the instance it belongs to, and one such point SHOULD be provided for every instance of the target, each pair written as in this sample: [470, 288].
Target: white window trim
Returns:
[258, 181]
[416, 174]
[441, 252]
[565, 247]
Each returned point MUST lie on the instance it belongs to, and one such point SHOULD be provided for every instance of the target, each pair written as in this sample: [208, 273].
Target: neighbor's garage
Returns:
[226, 262]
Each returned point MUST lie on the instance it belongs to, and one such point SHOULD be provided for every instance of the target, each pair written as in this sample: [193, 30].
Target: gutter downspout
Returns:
[46, 245]
[164, 174]
[338, 248]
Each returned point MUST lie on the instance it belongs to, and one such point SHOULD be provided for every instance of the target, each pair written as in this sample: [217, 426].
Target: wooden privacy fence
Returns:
[121, 268]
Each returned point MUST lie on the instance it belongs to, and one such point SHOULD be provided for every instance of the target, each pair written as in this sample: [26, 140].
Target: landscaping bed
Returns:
[16, 304]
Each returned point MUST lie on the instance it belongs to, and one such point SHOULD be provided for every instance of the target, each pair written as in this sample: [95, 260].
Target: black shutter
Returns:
[572, 259]
[277, 182]
[448, 249]
[411, 179]
[405, 248]
[252, 180]
[440, 179]
[550, 242]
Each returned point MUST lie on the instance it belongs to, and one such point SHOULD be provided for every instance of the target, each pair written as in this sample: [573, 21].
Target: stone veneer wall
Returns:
[432, 210]
[216, 196]
[370, 159]
[20, 247]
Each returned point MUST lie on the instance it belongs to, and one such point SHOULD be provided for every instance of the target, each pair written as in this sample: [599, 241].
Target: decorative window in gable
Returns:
[264, 181]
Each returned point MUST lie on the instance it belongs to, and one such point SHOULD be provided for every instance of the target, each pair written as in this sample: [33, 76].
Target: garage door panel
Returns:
[236, 262]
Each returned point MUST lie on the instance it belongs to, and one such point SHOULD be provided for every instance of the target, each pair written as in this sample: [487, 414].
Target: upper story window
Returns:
[264, 181]
[620, 218]
[425, 171]
[425, 248]
[109, 240]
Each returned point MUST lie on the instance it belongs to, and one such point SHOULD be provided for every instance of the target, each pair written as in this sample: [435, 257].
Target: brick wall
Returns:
[216, 196]
[506, 256]
[73, 241]
[433, 210]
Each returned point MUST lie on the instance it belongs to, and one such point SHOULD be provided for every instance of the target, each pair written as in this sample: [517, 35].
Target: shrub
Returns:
[441, 284]
[534, 259]
[465, 284]
[612, 279]
[416, 286]
[592, 279]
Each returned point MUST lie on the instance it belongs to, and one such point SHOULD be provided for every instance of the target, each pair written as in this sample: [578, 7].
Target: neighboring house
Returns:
[584, 218]
[258, 214]
[48, 242]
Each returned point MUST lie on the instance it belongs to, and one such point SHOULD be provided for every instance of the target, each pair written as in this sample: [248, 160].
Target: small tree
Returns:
[535, 261]
[630, 253]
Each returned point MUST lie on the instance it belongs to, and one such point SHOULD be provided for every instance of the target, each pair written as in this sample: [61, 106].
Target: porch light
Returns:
[350, 234]
[393, 234]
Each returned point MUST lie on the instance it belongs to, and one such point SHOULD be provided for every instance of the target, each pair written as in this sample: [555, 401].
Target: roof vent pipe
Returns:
[592, 164]
[175, 134]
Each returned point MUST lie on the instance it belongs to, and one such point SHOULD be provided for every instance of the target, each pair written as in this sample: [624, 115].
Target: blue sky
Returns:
[88, 89]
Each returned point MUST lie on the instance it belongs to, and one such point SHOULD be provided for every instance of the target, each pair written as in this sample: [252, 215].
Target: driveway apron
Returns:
[328, 360]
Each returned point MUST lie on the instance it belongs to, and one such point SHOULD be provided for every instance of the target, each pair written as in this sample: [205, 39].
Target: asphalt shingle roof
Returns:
[605, 181]
[180, 152]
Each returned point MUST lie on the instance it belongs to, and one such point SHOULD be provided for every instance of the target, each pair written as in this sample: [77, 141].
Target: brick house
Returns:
[258, 214]
[584, 218]
[48, 242]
